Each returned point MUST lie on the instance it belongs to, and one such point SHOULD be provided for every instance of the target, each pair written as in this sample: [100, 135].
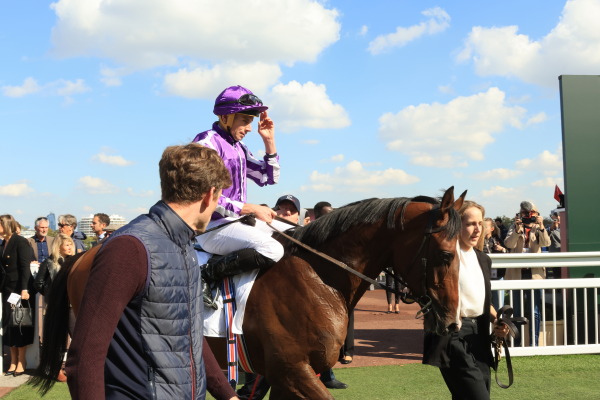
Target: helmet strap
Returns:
[228, 121]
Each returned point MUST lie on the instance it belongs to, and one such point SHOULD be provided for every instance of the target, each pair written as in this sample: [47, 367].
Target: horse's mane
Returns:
[366, 211]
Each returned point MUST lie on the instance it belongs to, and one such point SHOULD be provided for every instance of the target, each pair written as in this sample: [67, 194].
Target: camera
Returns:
[529, 219]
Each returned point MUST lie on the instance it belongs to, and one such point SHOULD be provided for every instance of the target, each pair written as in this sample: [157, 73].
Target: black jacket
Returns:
[435, 349]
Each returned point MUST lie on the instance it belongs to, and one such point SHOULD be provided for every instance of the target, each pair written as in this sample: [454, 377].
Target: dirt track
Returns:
[385, 339]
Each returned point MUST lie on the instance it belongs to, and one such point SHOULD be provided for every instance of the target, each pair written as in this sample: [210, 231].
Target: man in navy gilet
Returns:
[139, 329]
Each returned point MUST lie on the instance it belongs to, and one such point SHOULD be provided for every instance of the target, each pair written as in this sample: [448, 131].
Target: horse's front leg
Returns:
[297, 381]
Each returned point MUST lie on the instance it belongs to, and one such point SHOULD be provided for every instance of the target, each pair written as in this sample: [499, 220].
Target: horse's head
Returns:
[431, 268]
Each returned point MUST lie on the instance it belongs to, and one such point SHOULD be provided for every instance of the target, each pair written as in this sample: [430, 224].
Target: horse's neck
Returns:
[366, 254]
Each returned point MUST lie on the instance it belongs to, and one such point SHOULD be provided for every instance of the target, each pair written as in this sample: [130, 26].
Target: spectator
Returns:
[41, 243]
[493, 244]
[503, 230]
[16, 255]
[394, 283]
[99, 224]
[465, 357]
[67, 224]
[62, 247]
[554, 235]
[139, 328]
[527, 235]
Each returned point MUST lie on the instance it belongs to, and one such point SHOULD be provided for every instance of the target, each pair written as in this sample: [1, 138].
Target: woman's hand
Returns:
[24, 294]
[501, 329]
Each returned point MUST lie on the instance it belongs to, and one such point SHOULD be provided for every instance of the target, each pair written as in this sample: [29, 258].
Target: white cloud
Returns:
[112, 76]
[448, 135]
[545, 163]
[311, 142]
[500, 191]
[96, 185]
[69, 88]
[538, 118]
[363, 30]
[29, 86]
[549, 182]
[205, 82]
[60, 87]
[497, 174]
[305, 106]
[355, 178]
[572, 47]
[151, 33]
[118, 161]
[15, 189]
[337, 158]
[438, 21]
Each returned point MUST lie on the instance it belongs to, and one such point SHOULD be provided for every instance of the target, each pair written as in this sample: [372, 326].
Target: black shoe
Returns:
[335, 384]
[9, 373]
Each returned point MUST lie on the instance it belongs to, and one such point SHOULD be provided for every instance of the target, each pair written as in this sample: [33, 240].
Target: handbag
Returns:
[20, 316]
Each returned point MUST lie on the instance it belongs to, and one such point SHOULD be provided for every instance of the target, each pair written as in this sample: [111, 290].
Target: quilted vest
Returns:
[156, 351]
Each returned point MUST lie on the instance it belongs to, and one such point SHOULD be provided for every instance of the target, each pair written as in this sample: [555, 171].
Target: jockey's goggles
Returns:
[245, 100]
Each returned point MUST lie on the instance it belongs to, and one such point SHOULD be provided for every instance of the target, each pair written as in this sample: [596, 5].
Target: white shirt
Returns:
[471, 284]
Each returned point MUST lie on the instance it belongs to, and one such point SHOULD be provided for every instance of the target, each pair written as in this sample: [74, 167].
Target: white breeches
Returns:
[240, 236]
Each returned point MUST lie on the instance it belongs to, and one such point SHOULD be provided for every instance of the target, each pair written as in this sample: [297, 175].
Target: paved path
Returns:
[379, 338]
[385, 339]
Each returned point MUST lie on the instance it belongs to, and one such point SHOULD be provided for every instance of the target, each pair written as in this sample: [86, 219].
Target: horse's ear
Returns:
[447, 199]
[459, 202]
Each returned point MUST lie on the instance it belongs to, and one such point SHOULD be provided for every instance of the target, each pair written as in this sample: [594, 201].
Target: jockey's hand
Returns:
[261, 212]
[266, 130]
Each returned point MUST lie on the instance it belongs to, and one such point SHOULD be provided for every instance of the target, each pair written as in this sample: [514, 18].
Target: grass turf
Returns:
[542, 377]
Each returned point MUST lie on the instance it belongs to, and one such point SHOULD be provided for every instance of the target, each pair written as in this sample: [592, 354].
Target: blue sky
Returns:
[370, 99]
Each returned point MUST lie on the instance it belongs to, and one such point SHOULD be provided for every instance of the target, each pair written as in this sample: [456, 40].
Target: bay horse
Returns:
[297, 313]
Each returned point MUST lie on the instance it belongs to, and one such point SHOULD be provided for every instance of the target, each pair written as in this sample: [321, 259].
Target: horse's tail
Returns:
[56, 330]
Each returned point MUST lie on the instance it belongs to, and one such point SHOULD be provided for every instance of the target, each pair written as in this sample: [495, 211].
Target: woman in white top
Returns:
[465, 357]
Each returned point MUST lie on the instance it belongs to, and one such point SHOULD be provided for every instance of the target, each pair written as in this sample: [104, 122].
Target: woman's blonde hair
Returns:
[470, 204]
[59, 240]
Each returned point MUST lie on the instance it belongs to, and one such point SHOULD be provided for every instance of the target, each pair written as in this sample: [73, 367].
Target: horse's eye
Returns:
[447, 257]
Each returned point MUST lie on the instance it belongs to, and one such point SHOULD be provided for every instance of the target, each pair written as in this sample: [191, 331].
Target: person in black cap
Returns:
[288, 208]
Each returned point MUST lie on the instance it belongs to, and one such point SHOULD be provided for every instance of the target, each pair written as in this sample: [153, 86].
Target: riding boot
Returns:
[234, 263]
[228, 265]
[256, 387]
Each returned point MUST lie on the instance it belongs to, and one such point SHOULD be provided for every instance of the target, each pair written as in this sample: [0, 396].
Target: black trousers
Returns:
[468, 376]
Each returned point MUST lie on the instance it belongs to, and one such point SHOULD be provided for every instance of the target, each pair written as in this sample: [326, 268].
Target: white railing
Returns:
[557, 336]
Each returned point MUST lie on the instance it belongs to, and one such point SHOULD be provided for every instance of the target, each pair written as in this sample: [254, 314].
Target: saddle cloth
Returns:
[214, 320]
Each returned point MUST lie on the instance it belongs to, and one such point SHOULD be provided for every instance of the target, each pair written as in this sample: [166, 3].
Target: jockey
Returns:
[243, 247]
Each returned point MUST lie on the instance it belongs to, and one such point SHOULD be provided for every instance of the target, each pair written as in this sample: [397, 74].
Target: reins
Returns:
[504, 315]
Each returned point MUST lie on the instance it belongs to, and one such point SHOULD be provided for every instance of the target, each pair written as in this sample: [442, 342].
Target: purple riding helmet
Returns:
[238, 99]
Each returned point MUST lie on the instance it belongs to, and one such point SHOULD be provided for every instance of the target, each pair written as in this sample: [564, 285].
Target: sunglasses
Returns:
[63, 225]
[245, 100]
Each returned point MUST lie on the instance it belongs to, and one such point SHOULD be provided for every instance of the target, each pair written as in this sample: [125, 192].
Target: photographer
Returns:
[527, 235]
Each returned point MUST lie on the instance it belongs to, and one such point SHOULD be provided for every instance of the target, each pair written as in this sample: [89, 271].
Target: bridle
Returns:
[424, 300]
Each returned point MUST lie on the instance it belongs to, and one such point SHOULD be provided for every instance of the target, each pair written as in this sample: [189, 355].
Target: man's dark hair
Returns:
[103, 218]
[318, 208]
[187, 172]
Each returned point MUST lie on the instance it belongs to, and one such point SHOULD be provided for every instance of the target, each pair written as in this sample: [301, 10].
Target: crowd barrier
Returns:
[569, 313]
[570, 319]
